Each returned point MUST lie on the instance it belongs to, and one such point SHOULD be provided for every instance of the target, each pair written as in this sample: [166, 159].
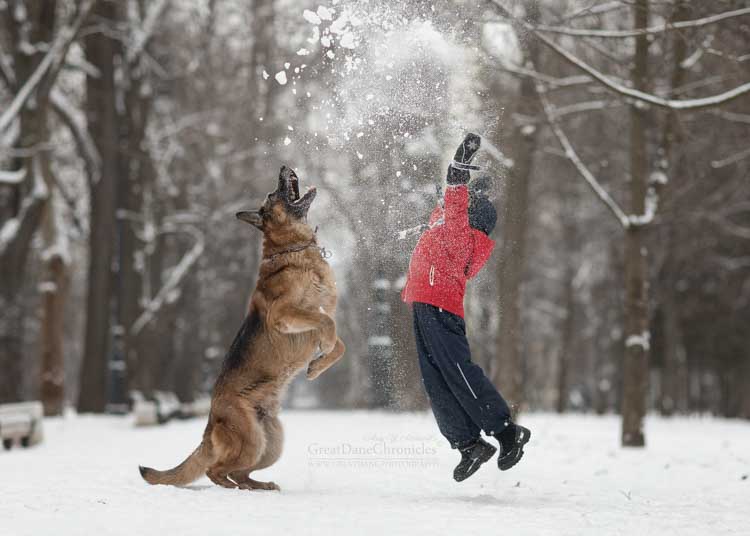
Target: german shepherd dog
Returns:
[289, 326]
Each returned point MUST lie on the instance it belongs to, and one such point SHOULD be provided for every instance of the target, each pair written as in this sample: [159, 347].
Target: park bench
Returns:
[164, 406]
[21, 424]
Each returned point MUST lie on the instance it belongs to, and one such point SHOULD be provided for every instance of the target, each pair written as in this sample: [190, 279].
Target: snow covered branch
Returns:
[731, 264]
[550, 81]
[595, 9]
[170, 291]
[733, 159]
[12, 177]
[729, 227]
[146, 31]
[657, 180]
[642, 339]
[6, 72]
[586, 106]
[661, 28]
[571, 155]
[733, 117]
[671, 104]
[17, 231]
[609, 82]
[77, 125]
[49, 66]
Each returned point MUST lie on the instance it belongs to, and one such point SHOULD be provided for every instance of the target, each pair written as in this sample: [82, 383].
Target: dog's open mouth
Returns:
[289, 191]
[294, 183]
[294, 193]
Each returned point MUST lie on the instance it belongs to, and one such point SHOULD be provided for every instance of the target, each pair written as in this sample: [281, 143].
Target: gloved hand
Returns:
[464, 154]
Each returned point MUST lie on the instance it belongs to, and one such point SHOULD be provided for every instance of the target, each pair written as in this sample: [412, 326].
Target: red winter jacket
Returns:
[447, 255]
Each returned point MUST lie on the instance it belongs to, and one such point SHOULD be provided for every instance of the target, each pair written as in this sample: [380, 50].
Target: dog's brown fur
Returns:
[290, 321]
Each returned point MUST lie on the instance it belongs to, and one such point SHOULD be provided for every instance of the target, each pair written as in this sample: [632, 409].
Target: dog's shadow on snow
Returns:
[198, 487]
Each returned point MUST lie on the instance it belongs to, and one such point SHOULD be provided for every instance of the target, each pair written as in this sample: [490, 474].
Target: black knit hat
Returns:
[482, 214]
[481, 185]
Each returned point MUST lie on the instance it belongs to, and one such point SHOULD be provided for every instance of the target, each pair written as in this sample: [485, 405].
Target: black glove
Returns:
[464, 155]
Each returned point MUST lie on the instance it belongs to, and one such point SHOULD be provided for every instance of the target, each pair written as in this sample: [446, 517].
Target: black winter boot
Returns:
[472, 458]
[512, 439]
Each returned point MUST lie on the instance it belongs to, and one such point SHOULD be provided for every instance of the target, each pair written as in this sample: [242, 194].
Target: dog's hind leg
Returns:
[238, 447]
[274, 442]
[274, 433]
[217, 477]
[250, 484]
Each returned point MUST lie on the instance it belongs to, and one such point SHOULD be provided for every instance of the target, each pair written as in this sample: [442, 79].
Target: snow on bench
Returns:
[163, 407]
[21, 424]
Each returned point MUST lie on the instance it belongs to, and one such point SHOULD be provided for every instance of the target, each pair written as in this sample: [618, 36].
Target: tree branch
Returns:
[661, 28]
[571, 155]
[146, 32]
[167, 292]
[12, 178]
[16, 233]
[6, 72]
[46, 72]
[79, 130]
[734, 117]
[596, 9]
[733, 159]
[608, 82]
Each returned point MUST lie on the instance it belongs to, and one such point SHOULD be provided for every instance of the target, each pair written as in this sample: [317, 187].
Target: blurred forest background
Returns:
[132, 130]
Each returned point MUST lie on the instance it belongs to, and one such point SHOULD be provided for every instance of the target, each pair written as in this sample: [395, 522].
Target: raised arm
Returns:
[457, 206]
[457, 194]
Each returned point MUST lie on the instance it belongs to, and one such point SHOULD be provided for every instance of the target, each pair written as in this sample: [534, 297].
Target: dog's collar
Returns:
[296, 249]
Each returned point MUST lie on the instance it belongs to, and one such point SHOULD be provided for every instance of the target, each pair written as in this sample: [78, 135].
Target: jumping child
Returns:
[452, 250]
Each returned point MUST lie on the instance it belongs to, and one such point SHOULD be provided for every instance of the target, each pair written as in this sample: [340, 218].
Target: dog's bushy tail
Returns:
[188, 471]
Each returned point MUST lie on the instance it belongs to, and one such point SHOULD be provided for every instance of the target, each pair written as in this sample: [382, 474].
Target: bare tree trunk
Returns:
[508, 370]
[100, 50]
[151, 342]
[635, 369]
[54, 289]
[566, 358]
[674, 384]
[137, 177]
[27, 200]
[745, 409]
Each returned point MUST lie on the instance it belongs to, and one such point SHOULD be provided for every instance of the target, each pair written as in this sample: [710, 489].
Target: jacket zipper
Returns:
[432, 275]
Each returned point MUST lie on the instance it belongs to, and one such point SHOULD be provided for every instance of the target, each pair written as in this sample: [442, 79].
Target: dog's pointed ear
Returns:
[252, 217]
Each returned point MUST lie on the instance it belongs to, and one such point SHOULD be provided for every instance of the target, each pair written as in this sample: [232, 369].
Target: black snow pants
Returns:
[463, 399]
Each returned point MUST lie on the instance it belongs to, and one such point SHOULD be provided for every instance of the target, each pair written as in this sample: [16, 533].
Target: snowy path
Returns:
[693, 478]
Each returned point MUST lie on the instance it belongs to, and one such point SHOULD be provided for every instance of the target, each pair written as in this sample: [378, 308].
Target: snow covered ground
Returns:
[378, 473]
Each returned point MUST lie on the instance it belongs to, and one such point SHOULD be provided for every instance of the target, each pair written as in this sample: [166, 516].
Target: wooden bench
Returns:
[158, 409]
[21, 424]
[163, 407]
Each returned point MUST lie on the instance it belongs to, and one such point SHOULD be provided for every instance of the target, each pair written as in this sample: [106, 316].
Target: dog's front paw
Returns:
[314, 369]
[326, 347]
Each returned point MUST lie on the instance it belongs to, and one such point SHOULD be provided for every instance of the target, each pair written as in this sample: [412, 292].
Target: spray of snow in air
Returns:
[387, 64]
